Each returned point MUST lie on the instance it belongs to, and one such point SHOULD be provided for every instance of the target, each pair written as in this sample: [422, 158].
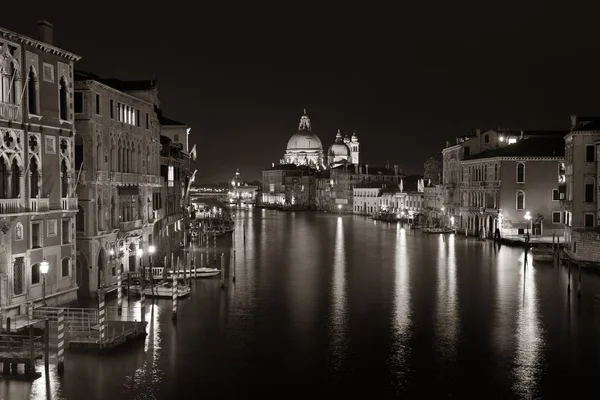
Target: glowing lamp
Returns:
[140, 252]
[151, 249]
[44, 266]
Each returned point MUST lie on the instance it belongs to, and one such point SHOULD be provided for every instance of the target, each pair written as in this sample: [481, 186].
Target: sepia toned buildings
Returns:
[38, 203]
[119, 185]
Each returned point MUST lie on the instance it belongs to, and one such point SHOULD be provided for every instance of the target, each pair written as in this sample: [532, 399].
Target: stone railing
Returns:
[39, 205]
[9, 111]
[10, 206]
[69, 203]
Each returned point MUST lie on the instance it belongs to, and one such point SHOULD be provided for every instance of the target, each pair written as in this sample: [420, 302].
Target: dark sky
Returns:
[407, 76]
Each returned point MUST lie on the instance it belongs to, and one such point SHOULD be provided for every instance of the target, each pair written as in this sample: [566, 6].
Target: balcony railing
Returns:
[10, 206]
[131, 225]
[9, 111]
[69, 203]
[39, 205]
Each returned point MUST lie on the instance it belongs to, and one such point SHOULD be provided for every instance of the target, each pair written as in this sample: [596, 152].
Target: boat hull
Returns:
[161, 292]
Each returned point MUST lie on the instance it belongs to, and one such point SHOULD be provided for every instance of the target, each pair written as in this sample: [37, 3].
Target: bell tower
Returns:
[354, 148]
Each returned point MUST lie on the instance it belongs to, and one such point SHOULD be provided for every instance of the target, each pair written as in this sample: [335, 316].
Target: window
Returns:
[556, 217]
[137, 117]
[589, 190]
[63, 104]
[588, 220]
[590, 153]
[520, 200]
[112, 109]
[555, 195]
[50, 144]
[147, 121]
[98, 105]
[65, 267]
[176, 137]
[66, 231]
[18, 275]
[36, 235]
[35, 274]
[32, 92]
[467, 151]
[520, 173]
[51, 226]
[486, 138]
[78, 102]
[80, 220]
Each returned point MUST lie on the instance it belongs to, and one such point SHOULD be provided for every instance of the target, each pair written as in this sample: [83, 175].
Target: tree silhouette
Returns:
[433, 171]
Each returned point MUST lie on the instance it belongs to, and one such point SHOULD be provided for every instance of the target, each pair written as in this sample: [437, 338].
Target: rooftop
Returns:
[542, 146]
[124, 86]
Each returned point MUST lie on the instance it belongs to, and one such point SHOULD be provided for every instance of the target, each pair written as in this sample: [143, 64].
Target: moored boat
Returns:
[542, 254]
[162, 290]
[203, 272]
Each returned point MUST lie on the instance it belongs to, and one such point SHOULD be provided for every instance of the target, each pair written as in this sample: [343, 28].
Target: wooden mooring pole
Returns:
[46, 345]
[60, 355]
[215, 247]
[101, 315]
[143, 297]
[222, 271]
[174, 290]
[6, 367]
[119, 291]
[569, 277]
[30, 367]
[579, 280]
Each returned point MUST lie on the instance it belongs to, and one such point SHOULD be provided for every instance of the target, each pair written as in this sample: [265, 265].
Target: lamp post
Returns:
[44, 266]
[527, 218]
[151, 250]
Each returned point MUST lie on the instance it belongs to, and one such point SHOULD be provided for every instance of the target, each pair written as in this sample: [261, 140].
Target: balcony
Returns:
[69, 203]
[9, 111]
[131, 225]
[10, 206]
[39, 205]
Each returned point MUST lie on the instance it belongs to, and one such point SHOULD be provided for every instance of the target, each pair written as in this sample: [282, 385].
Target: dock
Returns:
[20, 349]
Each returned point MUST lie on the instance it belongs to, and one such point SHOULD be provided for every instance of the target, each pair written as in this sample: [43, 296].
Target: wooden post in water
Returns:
[101, 315]
[60, 355]
[184, 268]
[128, 288]
[215, 247]
[119, 291]
[46, 345]
[6, 367]
[174, 291]
[569, 277]
[30, 367]
[579, 280]
[233, 264]
[143, 298]
[222, 271]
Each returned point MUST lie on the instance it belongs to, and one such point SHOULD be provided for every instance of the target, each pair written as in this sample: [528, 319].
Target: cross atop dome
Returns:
[304, 123]
[338, 137]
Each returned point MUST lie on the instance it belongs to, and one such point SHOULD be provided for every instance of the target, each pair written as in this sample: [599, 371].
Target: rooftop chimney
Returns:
[478, 131]
[45, 30]
[573, 121]
[356, 169]
[395, 170]
[367, 169]
[447, 143]
[522, 133]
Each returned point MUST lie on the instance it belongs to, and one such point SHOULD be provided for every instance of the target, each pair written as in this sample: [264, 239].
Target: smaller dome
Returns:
[339, 148]
[354, 138]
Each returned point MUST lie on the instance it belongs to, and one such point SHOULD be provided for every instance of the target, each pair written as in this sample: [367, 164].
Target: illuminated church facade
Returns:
[304, 148]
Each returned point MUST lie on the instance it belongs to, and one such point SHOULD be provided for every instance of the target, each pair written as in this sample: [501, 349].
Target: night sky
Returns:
[407, 77]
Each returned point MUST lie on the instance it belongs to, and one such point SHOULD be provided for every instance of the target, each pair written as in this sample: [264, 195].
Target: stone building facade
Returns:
[37, 176]
[119, 185]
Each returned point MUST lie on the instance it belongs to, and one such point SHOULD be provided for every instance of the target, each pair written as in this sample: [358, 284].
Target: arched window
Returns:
[80, 220]
[3, 179]
[78, 151]
[7, 84]
[63, 104]
[32, 92]
[15, 179]
[520, 200]
[100, 215]
[33, 179]
[64, 179]
[35, 274]
[520, 173]
[66, 267]
[588, 189]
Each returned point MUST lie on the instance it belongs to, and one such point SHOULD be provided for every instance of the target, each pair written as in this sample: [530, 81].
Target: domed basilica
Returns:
[305, 148]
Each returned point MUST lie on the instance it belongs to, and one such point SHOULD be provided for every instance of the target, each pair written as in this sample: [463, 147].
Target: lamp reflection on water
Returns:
[338, 318]
[448, 320]
[530, 342]
[401, 315]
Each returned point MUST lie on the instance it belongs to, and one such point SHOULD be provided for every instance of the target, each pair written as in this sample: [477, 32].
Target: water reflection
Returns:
[338, 317]
[448, 322]
[401, 315]
[529, 335]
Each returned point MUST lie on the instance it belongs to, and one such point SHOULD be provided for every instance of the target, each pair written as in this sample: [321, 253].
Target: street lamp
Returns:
[44, 266]
[527, 218]
[151, 250]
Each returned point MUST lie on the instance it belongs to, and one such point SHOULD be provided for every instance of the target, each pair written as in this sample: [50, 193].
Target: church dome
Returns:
[339, 149]
[354, 138]
[304, 140]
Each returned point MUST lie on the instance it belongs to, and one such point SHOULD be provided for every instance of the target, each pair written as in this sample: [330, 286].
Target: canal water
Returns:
[342, 305]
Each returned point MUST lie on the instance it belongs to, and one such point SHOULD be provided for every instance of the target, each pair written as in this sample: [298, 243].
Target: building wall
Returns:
[585, 246]
[118, 157]
[541, 178]
[37, 173]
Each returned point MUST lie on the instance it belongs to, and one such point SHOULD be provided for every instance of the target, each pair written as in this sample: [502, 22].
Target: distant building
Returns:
[241, 192]
[580, 189]
[38, 203]
[512, 188]
[289, 186]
